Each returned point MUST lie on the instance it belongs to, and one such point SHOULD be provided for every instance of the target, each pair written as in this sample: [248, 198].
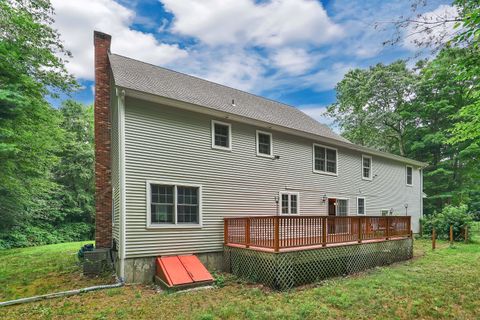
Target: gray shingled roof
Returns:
[144, 77]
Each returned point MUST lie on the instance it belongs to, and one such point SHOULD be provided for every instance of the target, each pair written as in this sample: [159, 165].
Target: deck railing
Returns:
[278, 232]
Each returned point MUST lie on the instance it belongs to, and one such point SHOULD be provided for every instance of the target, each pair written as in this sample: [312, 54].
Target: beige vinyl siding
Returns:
[115, 171]
[167, 144]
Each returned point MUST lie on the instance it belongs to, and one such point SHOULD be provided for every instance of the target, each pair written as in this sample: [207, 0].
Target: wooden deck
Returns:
[291, 233]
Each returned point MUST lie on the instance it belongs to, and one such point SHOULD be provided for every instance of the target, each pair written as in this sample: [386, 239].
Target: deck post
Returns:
[225, 231]
[387, 227]
[247, 233]
[359, 230]
[276, 235]
[324, 231]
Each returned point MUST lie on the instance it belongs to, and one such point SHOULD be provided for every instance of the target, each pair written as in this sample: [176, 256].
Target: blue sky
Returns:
[293, 51]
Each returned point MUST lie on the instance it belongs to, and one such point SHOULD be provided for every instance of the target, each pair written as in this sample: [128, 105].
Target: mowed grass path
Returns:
[443, 284]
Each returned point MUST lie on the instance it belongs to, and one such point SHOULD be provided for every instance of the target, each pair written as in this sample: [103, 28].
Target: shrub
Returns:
[44, 233]
[450, 215]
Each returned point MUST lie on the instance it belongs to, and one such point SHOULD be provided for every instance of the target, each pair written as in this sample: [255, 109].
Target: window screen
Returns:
[162, 204]
[409, 175]
[285, 203]
[264, 143]
[342, 207]
[289, 203]
[360, 206]
[221, 135]
[187, 205]
[174, 204]
[325, 159]
[367, 168]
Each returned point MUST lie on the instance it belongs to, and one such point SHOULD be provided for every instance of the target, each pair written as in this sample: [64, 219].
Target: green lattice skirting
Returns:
[285, 270]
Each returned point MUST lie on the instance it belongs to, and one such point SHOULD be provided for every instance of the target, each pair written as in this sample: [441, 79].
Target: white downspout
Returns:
[421, 192]
[121, 165]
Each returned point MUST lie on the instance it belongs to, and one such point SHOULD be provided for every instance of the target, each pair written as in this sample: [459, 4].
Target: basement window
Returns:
[173, 205]
[221, 135]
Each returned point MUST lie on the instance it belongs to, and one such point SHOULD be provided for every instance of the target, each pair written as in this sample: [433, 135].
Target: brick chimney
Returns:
[103, 186]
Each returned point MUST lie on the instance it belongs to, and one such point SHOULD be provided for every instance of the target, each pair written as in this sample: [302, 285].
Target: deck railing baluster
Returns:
[278, 232]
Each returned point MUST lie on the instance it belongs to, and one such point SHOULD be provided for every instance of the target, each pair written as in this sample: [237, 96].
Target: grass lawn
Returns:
[440, 284]
[32, 271]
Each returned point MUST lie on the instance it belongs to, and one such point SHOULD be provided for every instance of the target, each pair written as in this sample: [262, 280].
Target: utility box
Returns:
[96, 262]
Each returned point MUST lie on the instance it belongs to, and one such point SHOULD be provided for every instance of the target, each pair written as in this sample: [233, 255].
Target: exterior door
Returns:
[337, 207]
[331, 206]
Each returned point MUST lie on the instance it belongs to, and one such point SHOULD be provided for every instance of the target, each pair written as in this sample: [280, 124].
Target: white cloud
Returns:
[418, 33]
[238, 68]
[293, 60]
[317, 112]
[326, 79]
[76, 20]
[239, 22]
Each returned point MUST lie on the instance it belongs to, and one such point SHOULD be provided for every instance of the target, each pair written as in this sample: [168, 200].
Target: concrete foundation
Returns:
[142, 270]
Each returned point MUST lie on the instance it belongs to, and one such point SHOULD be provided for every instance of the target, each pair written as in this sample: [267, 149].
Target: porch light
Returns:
[324, 198]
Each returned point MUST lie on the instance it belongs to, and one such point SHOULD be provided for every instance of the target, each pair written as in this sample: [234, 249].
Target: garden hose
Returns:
[118, 284]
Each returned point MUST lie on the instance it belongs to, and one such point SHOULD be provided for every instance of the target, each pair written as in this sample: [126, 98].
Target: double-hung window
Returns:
[221, 135]
[264, 144]
[361, 206]
[366, 167]
[324, 159]
[409, 177]
[289, 202]
[173, 204]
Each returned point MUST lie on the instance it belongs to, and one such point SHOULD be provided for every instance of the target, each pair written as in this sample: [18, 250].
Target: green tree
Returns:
[372, 106]
[31, 67]
[75, 170]
[468, 128]
[436, 33]
[452, 175]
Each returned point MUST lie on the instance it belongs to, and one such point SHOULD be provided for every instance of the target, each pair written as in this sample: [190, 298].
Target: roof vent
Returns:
[233, 102]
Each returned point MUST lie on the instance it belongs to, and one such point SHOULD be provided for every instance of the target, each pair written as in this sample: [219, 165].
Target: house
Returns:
[176, 154]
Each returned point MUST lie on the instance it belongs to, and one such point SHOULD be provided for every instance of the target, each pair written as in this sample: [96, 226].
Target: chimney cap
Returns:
[101, 35]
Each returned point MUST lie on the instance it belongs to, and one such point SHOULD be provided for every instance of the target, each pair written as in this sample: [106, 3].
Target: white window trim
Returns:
[313, 160]
[214, 146]
[289, 209]
[406, 176]
[174, 225]
[364, 207]
[271, 144]
[370, 178]
[340, 198]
